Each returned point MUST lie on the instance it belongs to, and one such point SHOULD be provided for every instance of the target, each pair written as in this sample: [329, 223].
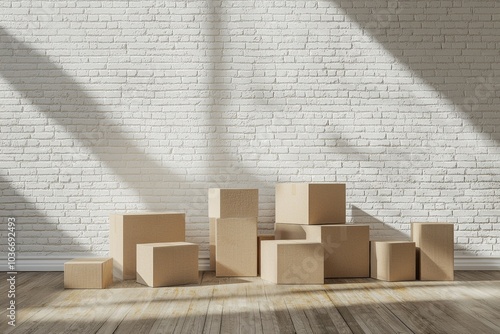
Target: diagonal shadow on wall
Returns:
[225, 160]
[442, 46]
[33, 227]
[31, 73]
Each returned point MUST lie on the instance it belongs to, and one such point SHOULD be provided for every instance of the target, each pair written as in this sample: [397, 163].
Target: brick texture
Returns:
[113, 106]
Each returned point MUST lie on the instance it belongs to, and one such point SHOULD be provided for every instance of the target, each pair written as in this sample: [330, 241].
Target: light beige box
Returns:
[310, 203]
[292, 262]
[260, 238]
[167, 264]
[128, 230]
[346, 247]
[393, 260]
[435, 251]
[233, 203]
[236, 247]
[88, 273]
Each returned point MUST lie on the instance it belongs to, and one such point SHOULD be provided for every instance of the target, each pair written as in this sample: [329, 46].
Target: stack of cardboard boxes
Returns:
[316, 213]
[233, 215]
[311, 242]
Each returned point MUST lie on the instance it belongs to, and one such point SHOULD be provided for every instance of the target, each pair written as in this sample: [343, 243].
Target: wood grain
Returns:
[470, 304]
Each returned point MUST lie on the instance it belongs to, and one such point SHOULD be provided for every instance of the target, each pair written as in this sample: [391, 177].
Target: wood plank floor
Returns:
[470, 304]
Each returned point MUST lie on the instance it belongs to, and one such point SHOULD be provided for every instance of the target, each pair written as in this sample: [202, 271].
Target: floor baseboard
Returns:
[56, 263]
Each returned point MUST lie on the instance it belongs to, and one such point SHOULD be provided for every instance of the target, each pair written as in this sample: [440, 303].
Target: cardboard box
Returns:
[167, 264]
[292, 262]
[310, 203]
[211, 242]
[236, 247]
[346, 247]
[128, 230]
[393, 260]
[435, 251]
[261, 237]
[233, 203]
[88, 273]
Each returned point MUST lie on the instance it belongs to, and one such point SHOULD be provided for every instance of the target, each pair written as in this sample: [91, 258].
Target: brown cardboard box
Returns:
[229, 203]
[128, 230]
[435, 251]
[88, 273]
[310, 203]
[211, 243]
[347, 247]
[393, 260]
[167, 263]
[233, 203]
[236, 247]
[261, 237]
[292, 262]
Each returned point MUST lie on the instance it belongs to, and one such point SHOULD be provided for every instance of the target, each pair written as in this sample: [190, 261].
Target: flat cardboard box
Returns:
[233, 203]
[435, 251]
[236, 247]
[347, 247]
[167, 264]
[310, 203]
[128, 230]
[292, 262]
[261, 237]
[88, 273]
[393, 260]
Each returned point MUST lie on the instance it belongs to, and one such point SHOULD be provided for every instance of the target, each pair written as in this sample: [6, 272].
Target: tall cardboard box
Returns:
[167, 264]
[229, 203]
[346, 247]
[128, 230]
[292, 262]
[236, 251]
[393, 260]
[211, 243]
[88, 273]
[260, 238]
[310, 203]
[435, 251]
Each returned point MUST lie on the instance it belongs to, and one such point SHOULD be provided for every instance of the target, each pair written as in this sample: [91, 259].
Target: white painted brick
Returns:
[142, 105]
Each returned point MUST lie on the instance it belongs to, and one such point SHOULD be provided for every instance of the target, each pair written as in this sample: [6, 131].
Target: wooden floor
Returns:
[470, 304]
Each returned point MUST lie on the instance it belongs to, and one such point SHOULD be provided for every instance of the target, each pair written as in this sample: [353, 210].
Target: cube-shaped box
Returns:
[393, 260]
[310, 203]
[236, 247]
[435, 251]
[233, 203]
[292, 262]
[167, 264]
[88, 273]
[346, 247]
[128, 230]
[260, 238]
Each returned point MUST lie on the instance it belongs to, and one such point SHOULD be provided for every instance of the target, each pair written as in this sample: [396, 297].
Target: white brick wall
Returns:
[107, 106]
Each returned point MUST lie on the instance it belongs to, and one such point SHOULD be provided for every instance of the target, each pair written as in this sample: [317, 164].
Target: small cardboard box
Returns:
[393, 260]
[292, 262]
[236, 247]
[310, 203]
[260, 238]
[167, 264]
[88, 273]
[435, 251]
[346, 247]
[233, 203]
[128, 230]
